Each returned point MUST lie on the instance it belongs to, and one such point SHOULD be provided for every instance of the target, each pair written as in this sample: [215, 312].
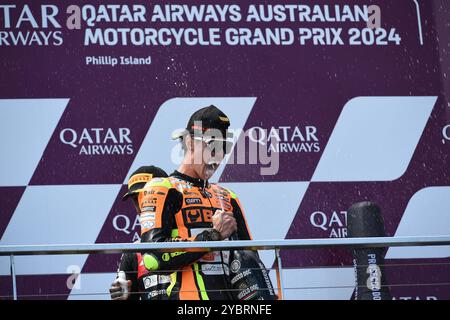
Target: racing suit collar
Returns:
[195, 181]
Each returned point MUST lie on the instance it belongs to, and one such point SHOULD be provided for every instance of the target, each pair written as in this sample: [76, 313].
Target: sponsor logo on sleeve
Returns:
[150, 281]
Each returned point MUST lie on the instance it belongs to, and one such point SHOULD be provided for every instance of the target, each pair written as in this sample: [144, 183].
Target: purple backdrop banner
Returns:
[352, 98]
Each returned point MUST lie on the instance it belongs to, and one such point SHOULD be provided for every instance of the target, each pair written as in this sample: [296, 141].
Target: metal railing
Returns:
[277, 245]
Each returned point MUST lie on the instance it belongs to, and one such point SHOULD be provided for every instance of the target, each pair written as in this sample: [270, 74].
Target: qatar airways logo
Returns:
[40, 28]
[98, 141]
[446, 134]
[333, 223]
[287, 139]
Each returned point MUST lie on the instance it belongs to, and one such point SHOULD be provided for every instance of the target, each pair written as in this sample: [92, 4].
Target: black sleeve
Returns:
[129, 265]
[243, 232]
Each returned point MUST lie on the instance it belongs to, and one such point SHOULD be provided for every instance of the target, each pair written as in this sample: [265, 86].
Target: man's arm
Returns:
[243, 231]
[128, 265]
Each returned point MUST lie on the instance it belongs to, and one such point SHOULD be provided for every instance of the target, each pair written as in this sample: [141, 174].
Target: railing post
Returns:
[13, 275]
[280, 273]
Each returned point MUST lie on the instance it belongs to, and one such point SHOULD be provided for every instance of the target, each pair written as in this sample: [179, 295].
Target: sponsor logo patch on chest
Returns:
[191, 201]
[197, 217]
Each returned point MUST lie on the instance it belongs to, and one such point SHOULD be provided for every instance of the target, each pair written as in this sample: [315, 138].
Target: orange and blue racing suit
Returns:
[180, 208]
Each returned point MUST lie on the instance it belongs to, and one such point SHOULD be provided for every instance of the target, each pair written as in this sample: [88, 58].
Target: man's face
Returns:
[207, 155]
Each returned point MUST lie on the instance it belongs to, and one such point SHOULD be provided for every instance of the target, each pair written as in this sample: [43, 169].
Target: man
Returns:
[133, 280]
[186, 207]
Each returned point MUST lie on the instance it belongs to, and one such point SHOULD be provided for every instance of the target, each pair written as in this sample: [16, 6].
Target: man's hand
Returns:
[116, 290]
[224, 223]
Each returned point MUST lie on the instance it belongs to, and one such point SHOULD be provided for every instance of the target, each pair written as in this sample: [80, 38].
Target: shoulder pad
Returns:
[232, 194]
[159, 182]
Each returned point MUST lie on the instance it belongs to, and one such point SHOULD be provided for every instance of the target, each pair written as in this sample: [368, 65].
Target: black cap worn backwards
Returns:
[205, 119]
[141, 176]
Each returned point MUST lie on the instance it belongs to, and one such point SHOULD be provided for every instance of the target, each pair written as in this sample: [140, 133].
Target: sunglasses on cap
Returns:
[214, 144]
